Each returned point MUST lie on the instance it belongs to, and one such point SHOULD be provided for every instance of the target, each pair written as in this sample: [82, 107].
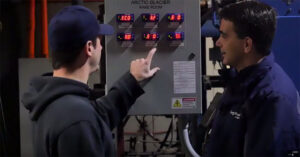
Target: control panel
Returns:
[173, 27]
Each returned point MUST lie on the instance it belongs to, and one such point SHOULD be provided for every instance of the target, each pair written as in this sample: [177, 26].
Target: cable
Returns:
[172, 131]
[188, 142]
[147, 131]
[164, 142]
[166, 137]
[144, 135]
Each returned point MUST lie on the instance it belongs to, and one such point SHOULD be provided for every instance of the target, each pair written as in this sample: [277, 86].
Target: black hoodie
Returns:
[66, 122]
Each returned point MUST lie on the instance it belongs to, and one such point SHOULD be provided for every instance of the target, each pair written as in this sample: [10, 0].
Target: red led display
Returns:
[151, 36]
[154, 36]
[172, 18]
[176, 36]
[128, 37]
[125, 37]
[150, 17]
[125, 17]
[178, 18]
[175, 17]
[147, 37]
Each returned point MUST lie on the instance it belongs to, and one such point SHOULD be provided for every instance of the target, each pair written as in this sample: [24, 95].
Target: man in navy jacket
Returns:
[259, 113]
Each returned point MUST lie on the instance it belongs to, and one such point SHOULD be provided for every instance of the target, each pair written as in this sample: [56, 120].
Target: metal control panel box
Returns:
[173, 27]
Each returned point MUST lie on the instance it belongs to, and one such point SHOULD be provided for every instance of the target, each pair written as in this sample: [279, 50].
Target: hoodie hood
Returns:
[45, 89]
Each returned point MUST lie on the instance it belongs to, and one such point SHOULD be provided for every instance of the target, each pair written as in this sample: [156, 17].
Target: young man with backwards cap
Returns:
[66, 122]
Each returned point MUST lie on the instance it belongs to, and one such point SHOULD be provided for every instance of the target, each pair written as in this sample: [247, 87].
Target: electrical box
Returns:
[173, 27]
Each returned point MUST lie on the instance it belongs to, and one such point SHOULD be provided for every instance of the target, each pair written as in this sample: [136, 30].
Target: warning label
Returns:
[177, 103]
[184, 103]
[184, 77]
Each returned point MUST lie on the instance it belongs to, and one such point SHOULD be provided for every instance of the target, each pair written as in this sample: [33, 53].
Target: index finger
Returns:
[150, 55]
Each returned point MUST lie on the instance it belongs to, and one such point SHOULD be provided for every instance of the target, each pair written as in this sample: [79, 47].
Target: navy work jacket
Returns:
[259, 114]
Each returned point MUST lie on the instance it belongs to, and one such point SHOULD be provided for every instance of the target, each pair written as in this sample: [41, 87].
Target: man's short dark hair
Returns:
[67, 58]
[253, 19]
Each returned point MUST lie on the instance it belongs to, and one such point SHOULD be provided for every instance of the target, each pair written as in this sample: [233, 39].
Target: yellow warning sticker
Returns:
[184, 103]
[177, 104]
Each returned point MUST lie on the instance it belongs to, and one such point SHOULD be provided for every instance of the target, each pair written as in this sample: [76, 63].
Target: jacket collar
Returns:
[255, 71]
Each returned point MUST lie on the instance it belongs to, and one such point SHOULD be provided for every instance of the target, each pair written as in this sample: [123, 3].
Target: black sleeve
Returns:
[114, 106]
[80, 139]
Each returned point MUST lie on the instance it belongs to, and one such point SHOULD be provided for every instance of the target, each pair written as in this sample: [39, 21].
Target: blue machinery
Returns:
[286, 44]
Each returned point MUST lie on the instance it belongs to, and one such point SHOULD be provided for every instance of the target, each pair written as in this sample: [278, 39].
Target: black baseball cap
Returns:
[73, 26]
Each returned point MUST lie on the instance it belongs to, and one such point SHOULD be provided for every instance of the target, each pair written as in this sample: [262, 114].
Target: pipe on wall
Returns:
[31, 29]
[45, 49]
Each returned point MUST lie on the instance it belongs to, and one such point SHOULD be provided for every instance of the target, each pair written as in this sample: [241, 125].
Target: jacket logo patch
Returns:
[236, 115]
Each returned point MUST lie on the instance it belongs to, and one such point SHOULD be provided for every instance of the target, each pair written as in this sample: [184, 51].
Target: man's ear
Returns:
[248, 45]
[88, 48]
